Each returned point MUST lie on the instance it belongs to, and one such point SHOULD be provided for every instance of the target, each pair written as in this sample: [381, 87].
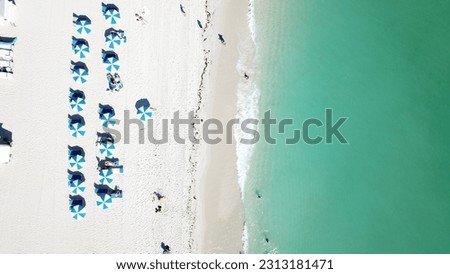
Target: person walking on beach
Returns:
[158, 209]
[221, 39]
[199, 24]
[158, 195]
[246, 76]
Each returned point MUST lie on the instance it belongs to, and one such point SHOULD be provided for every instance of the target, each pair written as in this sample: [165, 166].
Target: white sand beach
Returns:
[176, 66]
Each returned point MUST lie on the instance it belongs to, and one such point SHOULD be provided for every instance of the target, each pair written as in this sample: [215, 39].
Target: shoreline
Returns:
[221, 214]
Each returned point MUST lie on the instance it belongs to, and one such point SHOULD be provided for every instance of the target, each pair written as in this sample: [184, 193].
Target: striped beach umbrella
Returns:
[111, 13]
[144, 113]
[78, 212]
[114, 38]
[106, 113]
[77, 162]
[105, 176]
[107, 149]
[104, 201]
[108, 119]
[82, 24]
[111, 61]
[77, 100]
[77, 129]
[76, 182]
[80, 47]
[80, 74]
[77, 104]
[77, 186]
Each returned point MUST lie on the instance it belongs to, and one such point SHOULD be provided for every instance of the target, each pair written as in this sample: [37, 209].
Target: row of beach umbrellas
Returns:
[113, 39]
[83, 24]
[77, 204]
[76, 123]
[77, 101]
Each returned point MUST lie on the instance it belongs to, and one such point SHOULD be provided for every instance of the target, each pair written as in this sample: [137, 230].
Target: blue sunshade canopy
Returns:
[105, 176]
[104, 201]
[78, 212]
[82, 24]
[111, 13]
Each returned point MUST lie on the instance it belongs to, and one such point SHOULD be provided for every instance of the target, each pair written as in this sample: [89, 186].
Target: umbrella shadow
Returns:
[76, 150]
[75, 200]
[76, 175]
[106, 7]
[105, 109]
[78, 17]
[75, 94]
[104, 138]
[109, 54]
[113, 30]
[75, 119]
[104, 189]
[81, 41]
[78, 65]
[142, 103]
[5, 136]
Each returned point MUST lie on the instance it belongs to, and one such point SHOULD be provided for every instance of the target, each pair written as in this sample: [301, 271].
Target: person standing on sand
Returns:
[182, 9]
[221, 39]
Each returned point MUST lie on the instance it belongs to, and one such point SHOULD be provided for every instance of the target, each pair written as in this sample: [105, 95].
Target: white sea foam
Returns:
[248, 103]
[248, 97]
[245, 238]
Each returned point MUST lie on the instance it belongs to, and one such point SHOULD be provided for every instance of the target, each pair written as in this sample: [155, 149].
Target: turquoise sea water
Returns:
[385, 65]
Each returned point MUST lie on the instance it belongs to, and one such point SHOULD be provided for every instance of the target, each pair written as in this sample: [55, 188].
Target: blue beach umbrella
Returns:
[108, 119]
[107, 149]
[77, 162]
[111, 61]
[77, 130]
[77, 104]
[105, 176]
[82, 24]
[80, 73]
[111, 13]
[106, 113]
[104, 201]
[76, 126]
[78, 212]
[77, 100]
[114, 38]
[77, 186]
[80, 47]
[143, 109]
[144, 113]
[76, 182]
